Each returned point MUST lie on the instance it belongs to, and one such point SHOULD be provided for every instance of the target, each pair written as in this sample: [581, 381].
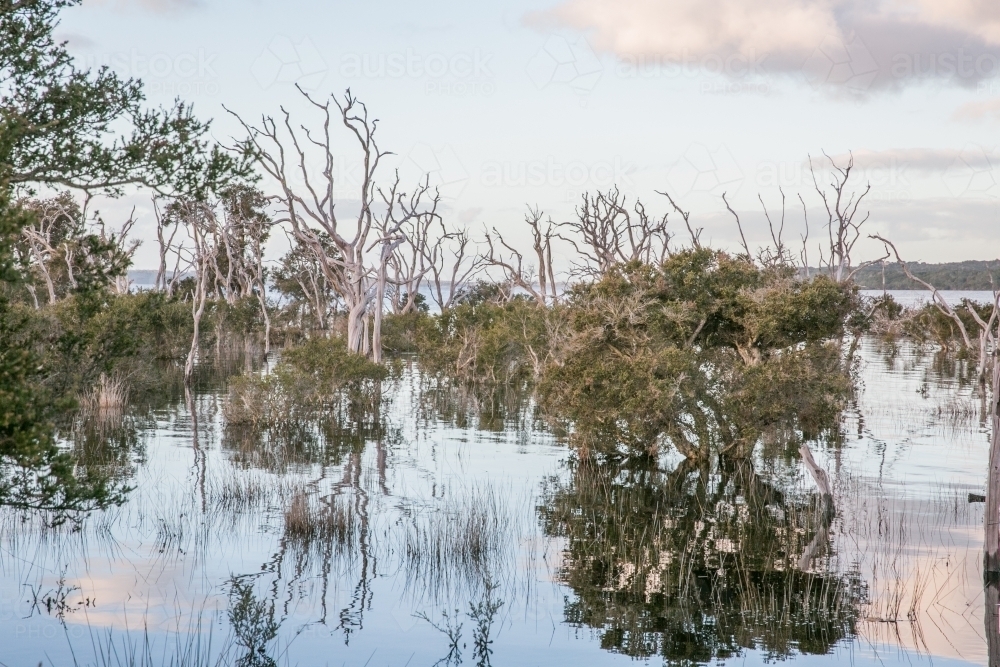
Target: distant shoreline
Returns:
[963, 276]
[967, 276]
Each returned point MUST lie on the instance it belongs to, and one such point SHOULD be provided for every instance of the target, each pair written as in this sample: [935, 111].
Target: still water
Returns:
[459, 530]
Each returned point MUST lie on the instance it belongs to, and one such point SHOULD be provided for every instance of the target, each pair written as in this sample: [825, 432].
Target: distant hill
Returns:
[146, 278]
[142, 277]
[971, 275]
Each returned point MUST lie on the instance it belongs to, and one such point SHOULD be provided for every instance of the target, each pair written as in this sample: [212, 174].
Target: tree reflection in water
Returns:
[696, 564]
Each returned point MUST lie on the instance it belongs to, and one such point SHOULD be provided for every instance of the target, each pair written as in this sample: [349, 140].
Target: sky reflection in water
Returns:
[446, 510]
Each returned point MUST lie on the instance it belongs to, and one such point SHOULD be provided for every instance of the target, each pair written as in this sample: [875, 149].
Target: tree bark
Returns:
[991, 520]
[827, 509]
[197, 304]
[991, 620]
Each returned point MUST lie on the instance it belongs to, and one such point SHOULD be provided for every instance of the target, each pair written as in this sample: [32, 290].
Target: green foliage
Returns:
[709, 299]
[706, 350]
[318, 404]
[34, 471]
[85, 336]
[252, 621]
[301, 280]
[314, 379]
[488, 343]
[928, 324]
[403, 333]
[60, 126]
[63, 126]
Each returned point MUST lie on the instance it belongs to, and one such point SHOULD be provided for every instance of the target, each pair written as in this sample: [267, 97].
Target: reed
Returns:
[109, 395]
[310, 518]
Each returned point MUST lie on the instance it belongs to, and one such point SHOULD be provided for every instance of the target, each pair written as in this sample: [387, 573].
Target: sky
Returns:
[531, 103]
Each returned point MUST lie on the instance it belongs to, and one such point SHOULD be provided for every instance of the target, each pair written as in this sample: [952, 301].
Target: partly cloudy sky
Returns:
[506, 105]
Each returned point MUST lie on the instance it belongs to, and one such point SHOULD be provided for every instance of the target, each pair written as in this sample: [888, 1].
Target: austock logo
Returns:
[706, 170]
[843, 61]
[974, 173]
[285, 61]
[561, 61]
[441, 167]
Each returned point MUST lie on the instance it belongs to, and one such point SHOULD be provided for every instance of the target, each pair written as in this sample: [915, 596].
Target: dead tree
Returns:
[406, 265]
[608, 233]
[739, 228]
[939, 301]
[537, 280]
[767, 255]
[804, 253]
[165, 245]
[200, 222]
[988, 329]
[244, 230]
[47, 240]
[183, 259]
[827, 509]
[988, 334]
[409, 231]
[308, 200]
[59, 244]
[695, 234]
[843, 229]
[300, 269]
[451, 264]
[991, 516]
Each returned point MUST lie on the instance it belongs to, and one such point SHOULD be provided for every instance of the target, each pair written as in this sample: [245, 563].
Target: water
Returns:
[916, 297]
[560, 552]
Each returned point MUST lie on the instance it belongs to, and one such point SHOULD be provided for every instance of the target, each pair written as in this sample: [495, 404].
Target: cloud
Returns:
[978, 17]
[978, 110]
[967, 223]
[158, 6]
[75, 41]
[920, 159]
[857, 44]
[649, 28]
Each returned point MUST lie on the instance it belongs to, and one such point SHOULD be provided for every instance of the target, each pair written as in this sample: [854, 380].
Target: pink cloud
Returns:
[853, 43]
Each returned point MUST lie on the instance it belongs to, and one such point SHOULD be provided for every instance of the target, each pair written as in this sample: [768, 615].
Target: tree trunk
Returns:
[197, 310]
[827, 509]
[40, 260]
[356, 329]
[991, 620]
[379, 304]
[991, 520]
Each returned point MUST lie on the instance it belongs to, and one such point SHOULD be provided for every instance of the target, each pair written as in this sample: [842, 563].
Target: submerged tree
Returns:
[34, 471]
[89, 131]
[686, 350]
[366, 242]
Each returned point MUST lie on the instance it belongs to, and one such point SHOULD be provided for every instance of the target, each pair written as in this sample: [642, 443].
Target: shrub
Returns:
[705, 350]
[489, 343]
[312, 379]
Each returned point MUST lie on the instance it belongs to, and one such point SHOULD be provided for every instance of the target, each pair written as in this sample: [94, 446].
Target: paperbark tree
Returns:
[537, 280]
[308, 198]
[608, 232]
[841, 204]
[451, 264]
[61, 126]
[991, 520]
[200, 221]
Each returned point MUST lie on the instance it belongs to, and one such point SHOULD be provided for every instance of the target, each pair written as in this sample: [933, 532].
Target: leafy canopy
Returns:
[61, 126]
